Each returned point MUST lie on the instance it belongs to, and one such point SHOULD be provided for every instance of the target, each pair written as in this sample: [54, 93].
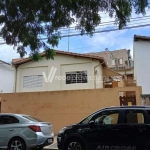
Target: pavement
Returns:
[52, 146]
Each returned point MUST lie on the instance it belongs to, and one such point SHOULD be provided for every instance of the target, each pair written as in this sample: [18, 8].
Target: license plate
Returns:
[50, 140]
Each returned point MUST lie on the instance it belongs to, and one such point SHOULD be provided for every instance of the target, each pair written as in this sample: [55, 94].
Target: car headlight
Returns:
[63, 129]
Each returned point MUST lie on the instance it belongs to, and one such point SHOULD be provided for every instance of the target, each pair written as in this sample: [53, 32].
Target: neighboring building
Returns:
[68, 71]
[120, 61]
[6, 77]
[141, 49]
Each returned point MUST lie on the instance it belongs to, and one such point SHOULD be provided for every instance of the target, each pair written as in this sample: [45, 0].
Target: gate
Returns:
[127, 100]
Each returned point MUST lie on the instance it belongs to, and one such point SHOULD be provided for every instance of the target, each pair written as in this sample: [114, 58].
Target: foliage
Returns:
[27, 21]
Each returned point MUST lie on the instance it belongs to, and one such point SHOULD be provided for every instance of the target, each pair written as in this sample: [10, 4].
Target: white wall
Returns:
[63, 64]
[141, 54]
[6, 78]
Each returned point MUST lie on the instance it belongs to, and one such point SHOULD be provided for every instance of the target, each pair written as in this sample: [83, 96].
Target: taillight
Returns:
[35, 128]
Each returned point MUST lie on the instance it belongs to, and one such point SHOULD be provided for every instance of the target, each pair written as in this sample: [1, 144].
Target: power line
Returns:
[103, 23]
[2, 43]
[104, 31]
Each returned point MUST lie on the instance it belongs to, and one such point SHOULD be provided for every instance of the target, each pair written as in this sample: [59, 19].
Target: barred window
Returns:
[32, 81]
[76, 77]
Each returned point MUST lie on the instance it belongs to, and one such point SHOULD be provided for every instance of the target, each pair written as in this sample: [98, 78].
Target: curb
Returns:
[50, 148]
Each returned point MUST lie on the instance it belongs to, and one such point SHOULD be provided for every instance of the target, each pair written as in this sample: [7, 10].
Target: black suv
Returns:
[113, 128]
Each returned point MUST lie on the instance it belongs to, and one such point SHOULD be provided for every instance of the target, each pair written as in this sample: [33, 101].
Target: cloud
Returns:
[7, 53]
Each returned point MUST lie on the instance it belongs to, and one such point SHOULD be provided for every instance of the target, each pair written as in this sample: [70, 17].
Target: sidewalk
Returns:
[52, 146]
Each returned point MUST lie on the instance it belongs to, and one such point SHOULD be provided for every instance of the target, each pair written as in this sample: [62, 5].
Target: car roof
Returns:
[13, 114]
[126, 107]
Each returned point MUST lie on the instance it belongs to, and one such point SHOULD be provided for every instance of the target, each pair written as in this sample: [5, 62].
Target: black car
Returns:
[113, 128]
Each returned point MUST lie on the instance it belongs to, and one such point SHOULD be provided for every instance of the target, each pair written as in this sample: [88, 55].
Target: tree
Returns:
[24, 22]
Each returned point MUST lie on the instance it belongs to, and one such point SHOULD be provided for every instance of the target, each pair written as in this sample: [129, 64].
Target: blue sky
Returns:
[114, 40]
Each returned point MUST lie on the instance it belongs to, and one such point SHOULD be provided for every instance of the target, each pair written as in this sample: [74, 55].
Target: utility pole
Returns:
[68, 38]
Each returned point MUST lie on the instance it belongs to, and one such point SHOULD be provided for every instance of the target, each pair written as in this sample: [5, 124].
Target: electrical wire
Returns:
[104, 29]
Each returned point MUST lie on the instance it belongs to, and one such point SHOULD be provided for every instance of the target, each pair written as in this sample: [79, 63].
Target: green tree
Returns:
[25, 21]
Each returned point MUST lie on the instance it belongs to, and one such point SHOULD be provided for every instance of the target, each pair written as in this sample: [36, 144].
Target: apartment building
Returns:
[120, 61]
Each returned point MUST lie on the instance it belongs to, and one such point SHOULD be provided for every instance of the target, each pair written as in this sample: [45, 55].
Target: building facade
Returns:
[6, 77]
[68, 71]
[120, 61]
[141, 49]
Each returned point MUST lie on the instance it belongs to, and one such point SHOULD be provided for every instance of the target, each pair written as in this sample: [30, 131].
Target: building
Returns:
[68, 71]
[119, 61]
[6, 77]
[141, 51]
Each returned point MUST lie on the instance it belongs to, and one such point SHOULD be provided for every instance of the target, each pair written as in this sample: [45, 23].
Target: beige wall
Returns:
[63, 64]
[63, 107]
[126, 71]
[111, 55]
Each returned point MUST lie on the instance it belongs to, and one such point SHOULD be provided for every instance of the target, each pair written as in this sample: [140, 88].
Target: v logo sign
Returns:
[51, 75]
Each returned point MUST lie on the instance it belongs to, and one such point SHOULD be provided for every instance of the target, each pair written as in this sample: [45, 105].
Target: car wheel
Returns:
[16, 144]
[74, 144]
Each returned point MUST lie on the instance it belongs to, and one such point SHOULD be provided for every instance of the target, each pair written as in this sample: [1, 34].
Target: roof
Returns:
[110, 51]
[4, 62]
[141, 38]
[121, 107]
[19, 61]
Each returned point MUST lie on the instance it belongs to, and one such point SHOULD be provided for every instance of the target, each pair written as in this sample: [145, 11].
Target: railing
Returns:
[130, 83]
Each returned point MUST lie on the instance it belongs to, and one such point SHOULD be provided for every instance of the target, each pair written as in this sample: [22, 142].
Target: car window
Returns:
[8, 120]
[32, 119]
[87, 120]
[134, 116]
[107, 117]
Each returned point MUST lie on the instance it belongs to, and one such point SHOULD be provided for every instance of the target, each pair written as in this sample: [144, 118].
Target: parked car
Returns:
[112, 128]
[21, 132]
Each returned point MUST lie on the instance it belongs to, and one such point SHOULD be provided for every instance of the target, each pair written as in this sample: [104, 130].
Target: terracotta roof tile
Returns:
[19, 61]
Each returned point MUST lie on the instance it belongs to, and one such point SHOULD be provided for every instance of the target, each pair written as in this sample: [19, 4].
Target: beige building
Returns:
[120, 61]
[68, 71]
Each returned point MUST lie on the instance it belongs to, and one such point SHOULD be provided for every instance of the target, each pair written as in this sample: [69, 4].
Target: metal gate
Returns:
[127, 100]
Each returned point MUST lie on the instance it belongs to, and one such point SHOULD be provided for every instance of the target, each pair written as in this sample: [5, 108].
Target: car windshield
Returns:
[87, 120]
[32, 119]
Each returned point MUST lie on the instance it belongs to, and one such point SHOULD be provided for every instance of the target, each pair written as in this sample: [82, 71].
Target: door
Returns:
[136, 127]
[7, 128]
[105, 134]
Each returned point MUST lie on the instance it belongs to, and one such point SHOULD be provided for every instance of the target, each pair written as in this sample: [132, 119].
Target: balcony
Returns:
[130, 83]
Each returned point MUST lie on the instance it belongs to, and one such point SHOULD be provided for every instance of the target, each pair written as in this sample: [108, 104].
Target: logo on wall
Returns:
[50, 77]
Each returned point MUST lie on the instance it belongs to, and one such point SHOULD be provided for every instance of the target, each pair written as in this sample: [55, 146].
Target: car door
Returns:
[7, 128]
[105, 134]
[136, 127]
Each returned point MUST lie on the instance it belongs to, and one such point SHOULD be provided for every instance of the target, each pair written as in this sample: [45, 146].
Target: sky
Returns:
[114, 40]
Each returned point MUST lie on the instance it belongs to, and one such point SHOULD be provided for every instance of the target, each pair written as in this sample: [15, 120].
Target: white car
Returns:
[21, 132]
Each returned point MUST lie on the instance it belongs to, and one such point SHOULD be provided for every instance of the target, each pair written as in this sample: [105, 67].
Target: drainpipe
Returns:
[95, 73]
[15, 78]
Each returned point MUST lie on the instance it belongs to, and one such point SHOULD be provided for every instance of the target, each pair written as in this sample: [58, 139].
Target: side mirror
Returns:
[91, 123]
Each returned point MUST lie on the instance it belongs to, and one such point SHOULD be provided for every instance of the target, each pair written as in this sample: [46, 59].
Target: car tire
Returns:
[74, 144]
[16, 143]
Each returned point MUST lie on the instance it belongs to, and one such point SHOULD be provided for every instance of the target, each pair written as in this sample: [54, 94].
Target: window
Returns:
[107, 117]
[32, 81]
[8, 120]
[76, 77]
[120, 61]
[88, 119]
[113, 62]
[134, 116]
